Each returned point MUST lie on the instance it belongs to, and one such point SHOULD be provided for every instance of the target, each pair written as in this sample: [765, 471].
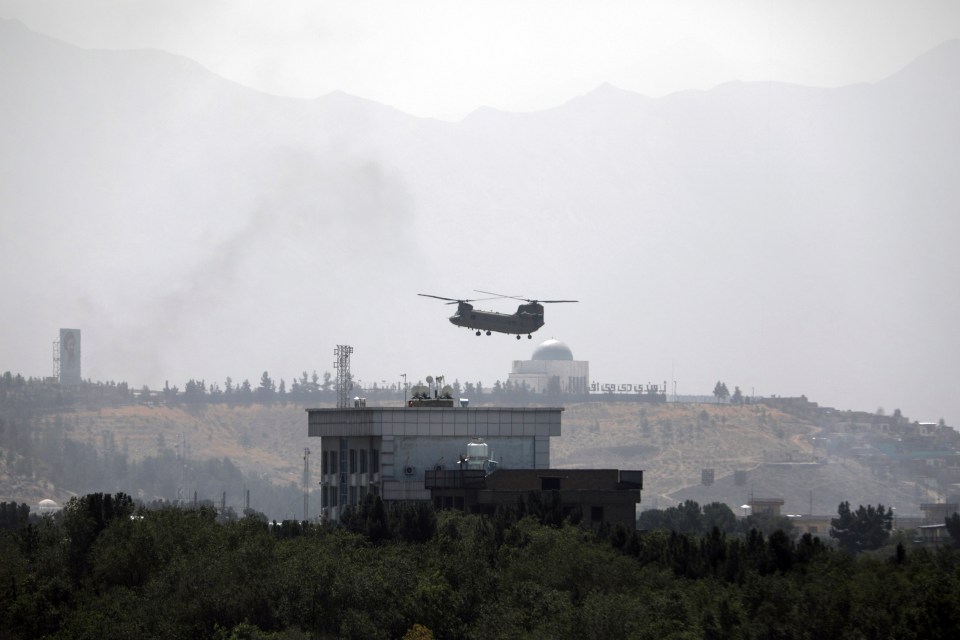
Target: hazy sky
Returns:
[444, 59]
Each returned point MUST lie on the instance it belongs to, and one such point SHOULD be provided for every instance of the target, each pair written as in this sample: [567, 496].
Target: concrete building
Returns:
[386, 450]
[768, 506]
[67, 358]
[601, 495]
[552, 368]
[815, 525]
[937, 512]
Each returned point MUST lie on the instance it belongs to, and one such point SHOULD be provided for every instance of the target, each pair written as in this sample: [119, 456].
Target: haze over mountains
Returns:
[784, 239]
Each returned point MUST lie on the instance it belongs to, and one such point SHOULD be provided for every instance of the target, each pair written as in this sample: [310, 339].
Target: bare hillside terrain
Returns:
[671, 443]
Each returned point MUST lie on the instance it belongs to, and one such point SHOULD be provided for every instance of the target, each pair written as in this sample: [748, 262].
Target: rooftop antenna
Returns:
[56, 359]
[342, 365]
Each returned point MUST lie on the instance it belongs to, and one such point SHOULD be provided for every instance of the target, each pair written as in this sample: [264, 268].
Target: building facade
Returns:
[600, 495]
[552, 369]
[386, 450]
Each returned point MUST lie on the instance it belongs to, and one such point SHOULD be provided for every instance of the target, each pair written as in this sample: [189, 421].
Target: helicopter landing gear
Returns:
[518, 336]
[529, 337]
[488, 333]
[478, 333]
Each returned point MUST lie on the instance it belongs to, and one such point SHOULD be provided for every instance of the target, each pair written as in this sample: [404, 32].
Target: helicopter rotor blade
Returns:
[500, 295]
[452, 300]
[449, 300]
[521, 298]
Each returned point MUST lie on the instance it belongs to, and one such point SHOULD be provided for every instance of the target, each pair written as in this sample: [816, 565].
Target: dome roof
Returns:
[48, 506]
[552, 350]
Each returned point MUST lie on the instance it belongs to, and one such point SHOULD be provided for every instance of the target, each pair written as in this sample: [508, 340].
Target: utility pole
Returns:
[306, 483]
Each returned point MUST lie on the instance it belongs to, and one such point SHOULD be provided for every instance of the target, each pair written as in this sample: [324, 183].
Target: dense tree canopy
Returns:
[104, 569]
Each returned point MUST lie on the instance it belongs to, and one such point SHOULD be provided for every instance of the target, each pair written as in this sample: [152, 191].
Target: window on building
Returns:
[363, 493]
[363, 460]
[375, 461]
[333, 462]
[353, 496]
[333, 496]
[323, 462]
[550, 484]
[596, 514]
[353, 460]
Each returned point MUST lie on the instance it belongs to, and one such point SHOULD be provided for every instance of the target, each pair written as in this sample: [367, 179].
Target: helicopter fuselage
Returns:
[527, 319]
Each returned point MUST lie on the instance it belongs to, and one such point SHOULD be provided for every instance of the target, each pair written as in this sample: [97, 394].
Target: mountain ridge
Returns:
[772, 216]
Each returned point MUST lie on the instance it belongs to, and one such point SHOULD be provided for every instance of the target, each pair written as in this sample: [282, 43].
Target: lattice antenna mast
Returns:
[342, 365]
[56, 360]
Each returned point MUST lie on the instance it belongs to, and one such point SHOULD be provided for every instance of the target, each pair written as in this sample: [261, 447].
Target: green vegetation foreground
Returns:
[108, 569]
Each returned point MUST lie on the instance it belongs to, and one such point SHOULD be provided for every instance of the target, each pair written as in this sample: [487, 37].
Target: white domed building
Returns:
[552, 369]
[48, 507]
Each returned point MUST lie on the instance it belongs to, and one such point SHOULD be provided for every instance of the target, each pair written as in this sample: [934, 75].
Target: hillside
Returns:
[671, 443]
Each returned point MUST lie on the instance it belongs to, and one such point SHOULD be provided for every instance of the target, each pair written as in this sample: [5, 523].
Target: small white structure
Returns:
[478, 457]
[552, 368]
[47, 506]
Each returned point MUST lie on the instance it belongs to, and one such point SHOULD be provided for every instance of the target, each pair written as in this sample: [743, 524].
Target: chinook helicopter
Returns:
[527, 319]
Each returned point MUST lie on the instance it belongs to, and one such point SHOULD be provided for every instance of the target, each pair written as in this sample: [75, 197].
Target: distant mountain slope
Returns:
[792, 239]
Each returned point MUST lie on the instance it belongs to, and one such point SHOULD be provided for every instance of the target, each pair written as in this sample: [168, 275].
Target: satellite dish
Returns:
[429, 379]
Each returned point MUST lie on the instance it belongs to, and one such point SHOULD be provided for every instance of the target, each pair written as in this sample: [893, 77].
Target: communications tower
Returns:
[342, 365]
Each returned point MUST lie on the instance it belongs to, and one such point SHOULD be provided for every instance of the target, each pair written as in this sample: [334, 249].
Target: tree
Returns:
[266, 389]
[85, 518]
[865, 529]
[953, 528]
[737, 396]
[327, 381]
[719, 515]
[720, 391]
[194, 391]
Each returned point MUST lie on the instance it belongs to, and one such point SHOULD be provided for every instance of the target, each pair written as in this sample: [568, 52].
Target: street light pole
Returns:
[404, 376]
